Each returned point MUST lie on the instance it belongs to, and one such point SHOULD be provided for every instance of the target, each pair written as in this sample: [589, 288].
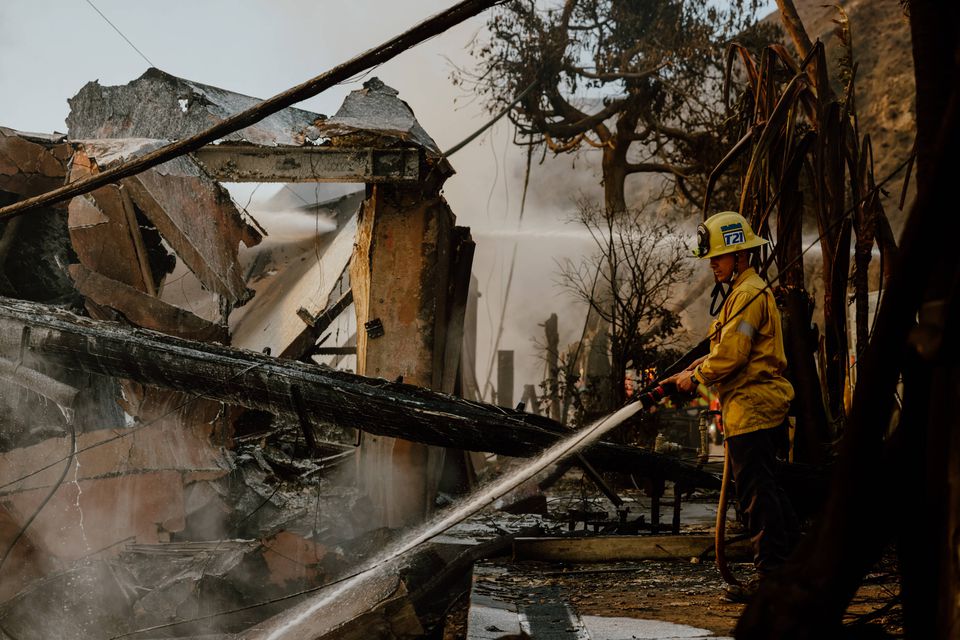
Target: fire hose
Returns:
[652, 396]
[721, 528]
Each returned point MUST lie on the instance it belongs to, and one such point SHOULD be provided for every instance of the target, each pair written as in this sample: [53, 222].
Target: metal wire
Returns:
[117, 29]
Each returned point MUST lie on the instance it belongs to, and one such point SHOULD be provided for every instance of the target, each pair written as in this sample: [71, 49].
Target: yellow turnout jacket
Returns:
[747, 360]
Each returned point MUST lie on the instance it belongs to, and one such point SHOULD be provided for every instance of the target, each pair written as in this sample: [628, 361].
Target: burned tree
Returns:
[632, 79]
[628, 282]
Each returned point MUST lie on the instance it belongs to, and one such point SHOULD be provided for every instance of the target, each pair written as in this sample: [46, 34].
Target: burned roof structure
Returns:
[180, 406]
[376, 110]
[161, 106]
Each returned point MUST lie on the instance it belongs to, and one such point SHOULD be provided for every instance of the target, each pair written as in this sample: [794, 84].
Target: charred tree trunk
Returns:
[835, 240]
[813, 432]
[931, 575]
[552, 329]
[813, 435]
[863, 253]
[614, 168]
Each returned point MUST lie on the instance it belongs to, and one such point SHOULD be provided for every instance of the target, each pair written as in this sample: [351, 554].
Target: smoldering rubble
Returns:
[202, 427]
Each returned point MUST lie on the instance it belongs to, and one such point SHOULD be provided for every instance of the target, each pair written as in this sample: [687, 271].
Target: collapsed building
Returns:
[180, 436]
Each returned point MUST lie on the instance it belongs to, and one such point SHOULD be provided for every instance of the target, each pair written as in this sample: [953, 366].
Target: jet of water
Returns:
[307, 618]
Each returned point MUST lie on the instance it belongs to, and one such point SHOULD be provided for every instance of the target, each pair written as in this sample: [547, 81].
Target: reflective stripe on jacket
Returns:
[747, 360]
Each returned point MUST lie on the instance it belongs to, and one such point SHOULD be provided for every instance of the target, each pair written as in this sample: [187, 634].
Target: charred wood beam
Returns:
[321, 322]
[23, 376]
[461, 266]
[243, 163]
[378, 55]
[258, 381]
[598, 480]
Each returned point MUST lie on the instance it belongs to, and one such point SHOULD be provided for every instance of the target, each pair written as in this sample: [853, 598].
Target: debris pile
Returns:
[203, 424]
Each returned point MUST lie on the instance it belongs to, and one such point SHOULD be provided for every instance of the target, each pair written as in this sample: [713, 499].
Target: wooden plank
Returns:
[28, 168]
[246, 163]
[505, 377]
[196, 216]
[98, 221]
[258, 381]
[398, 274]
[335, 351]
[598, 480]
[325, 319]
[460, 269]
[137, 236]
[622, 548]
[142, 309]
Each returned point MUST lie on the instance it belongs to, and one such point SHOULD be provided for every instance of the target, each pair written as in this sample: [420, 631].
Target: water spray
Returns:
[294, 622]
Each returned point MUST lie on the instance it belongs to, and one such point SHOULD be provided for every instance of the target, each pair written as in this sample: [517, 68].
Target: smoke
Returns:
[293, 226]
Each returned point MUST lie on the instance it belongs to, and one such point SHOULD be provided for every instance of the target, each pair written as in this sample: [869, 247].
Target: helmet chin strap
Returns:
[717, 297]
[721, 290]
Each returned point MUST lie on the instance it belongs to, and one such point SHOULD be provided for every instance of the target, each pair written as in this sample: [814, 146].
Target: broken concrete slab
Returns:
[145, 506]
[201, 223]
[110, 450]
[115, 489]
[99, 220]
[375, 112]
[162, 106]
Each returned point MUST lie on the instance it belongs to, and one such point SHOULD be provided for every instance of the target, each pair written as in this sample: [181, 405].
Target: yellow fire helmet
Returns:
[725, 232]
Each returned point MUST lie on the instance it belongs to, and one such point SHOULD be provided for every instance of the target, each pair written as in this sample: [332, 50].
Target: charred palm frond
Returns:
[801, 158]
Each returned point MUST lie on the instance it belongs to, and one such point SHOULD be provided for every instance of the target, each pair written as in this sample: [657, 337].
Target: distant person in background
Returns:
[746, 364]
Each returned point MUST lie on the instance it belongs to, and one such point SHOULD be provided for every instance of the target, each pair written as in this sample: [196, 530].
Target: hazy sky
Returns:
[50, 48]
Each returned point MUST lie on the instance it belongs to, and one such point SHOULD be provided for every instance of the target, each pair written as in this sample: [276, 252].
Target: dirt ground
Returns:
[682, 593]
[679, 592]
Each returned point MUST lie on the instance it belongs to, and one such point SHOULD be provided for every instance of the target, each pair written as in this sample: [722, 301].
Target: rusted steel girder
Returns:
[248, 163]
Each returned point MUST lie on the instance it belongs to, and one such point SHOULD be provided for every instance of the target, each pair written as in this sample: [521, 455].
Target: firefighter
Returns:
[746, 364]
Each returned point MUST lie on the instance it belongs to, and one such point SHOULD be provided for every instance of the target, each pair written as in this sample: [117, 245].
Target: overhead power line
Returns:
[117, 29]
